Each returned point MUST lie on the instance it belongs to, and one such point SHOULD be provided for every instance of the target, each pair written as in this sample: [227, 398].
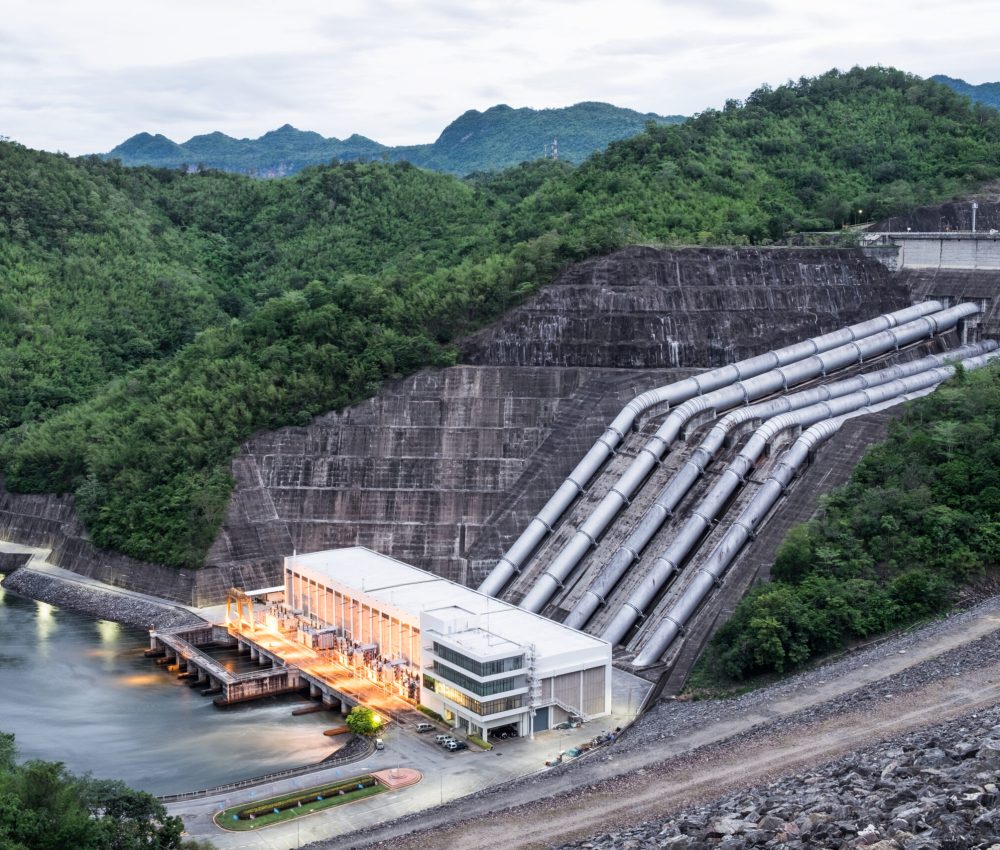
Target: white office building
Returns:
[482, 663]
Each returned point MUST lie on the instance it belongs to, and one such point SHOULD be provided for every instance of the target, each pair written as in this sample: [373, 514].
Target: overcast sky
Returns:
[83, 76]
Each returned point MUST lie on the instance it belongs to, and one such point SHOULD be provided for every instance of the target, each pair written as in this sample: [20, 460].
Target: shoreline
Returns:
[97, 600]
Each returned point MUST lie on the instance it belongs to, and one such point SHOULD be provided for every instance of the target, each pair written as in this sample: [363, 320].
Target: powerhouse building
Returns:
[481, 663]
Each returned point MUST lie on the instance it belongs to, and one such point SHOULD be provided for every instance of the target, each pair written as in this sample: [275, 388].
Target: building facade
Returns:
[480, 663]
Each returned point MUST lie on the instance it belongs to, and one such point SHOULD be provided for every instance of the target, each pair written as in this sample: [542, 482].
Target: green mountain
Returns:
[477, 141]
[151, 319]
[987, 94]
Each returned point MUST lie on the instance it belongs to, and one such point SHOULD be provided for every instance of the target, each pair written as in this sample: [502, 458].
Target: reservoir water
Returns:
[79, 691]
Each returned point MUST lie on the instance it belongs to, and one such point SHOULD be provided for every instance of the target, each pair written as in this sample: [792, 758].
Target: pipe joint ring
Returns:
[593, 542]
[515, 567]
[620, 495]
[638, 614]
[652, 454]
[556, 581]
[715, 579]
[681, 631]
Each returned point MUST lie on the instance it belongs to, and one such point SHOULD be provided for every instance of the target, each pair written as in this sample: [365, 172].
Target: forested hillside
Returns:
[150, 320]
[987, 94]
[498, 138]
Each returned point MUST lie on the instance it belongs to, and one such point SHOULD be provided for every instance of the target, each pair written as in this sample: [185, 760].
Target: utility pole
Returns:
[975, 207]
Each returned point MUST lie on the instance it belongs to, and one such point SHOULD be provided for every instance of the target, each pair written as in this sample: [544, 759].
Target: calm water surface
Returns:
[79, 690]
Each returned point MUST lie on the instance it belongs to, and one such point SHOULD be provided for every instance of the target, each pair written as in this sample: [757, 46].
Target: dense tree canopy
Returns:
[44, 807]
[150, 320]
[919, 519]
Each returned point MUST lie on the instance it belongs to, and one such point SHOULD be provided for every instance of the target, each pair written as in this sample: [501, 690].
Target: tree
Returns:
[45, 807]
[363, 721]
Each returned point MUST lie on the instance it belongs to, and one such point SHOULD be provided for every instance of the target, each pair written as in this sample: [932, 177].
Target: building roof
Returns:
[413, 590]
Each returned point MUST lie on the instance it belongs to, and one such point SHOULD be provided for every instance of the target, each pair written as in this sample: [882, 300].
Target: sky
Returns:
[82, 77]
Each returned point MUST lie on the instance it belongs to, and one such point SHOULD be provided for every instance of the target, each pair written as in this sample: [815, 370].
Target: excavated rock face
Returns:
[443, 469]
[945, 217]
[647, 308]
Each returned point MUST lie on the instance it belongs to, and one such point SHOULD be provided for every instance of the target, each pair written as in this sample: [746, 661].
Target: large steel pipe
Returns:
[689, 535]
[746, 524]
[515, 558]
[740, 392]
[674, 490]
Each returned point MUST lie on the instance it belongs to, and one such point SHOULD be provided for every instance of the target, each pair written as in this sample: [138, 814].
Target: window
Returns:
[479, 668]
[483, 689]
[481, 708]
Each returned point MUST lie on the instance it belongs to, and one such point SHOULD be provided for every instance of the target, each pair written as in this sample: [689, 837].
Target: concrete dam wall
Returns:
[443, 469]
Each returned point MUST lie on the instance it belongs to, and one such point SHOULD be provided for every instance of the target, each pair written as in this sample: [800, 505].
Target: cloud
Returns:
[399, 70]
[727, 9]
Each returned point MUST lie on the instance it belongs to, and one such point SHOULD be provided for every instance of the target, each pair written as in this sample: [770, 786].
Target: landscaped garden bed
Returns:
[261, 813]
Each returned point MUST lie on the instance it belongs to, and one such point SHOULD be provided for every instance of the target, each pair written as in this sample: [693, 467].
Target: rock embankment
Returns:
[929, 790]
[103, 603]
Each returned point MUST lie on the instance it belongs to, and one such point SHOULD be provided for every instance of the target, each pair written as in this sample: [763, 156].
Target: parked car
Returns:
[456, 745]
[444, 737]
[504, 732]
[424, 727]
[379, 744]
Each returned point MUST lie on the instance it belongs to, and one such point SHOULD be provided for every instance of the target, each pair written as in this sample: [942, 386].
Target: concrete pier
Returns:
[180, 647]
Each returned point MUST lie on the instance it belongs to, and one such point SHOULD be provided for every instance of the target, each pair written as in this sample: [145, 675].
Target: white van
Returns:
[424, 727]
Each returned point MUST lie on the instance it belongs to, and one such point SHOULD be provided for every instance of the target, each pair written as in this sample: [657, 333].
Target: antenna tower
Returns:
[555, 148]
